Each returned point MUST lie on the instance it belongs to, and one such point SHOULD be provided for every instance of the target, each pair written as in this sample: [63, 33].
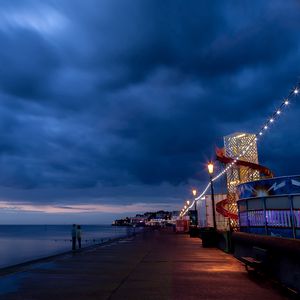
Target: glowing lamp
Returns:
[210, 168]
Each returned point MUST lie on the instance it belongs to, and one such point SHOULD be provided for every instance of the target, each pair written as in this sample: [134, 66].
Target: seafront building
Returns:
[270, 207]
[159, 218]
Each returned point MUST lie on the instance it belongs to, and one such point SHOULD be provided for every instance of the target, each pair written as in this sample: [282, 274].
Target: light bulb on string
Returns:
[277, 112]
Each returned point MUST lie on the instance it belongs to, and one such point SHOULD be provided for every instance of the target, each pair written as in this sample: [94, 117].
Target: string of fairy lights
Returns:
[258, 136]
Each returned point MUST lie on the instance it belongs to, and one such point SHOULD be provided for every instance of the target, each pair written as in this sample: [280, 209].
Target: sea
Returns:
[22, 243]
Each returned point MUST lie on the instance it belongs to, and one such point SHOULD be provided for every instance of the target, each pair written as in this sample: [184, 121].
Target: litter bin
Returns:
[209, 237]
[194, 231]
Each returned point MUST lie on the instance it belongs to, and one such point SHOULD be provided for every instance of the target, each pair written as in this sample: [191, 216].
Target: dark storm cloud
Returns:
[117, 93]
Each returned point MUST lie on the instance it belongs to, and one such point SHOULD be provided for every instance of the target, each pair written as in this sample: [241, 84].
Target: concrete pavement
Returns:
[154, 265]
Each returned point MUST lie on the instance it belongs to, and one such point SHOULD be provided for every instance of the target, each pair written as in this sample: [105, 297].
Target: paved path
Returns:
[157, 265]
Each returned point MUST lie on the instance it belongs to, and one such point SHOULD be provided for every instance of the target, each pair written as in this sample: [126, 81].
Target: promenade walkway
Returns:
[156, 265]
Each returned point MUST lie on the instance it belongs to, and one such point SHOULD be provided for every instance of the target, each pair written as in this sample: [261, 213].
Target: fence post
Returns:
[292, 215]
[265, 214]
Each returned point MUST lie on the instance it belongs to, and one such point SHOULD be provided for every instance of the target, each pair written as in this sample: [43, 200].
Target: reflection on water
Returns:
[20, 243]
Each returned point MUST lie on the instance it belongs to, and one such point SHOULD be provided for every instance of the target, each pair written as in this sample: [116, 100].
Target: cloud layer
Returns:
[100, 96]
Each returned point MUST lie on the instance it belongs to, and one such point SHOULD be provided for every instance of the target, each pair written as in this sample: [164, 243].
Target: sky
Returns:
[111, 108]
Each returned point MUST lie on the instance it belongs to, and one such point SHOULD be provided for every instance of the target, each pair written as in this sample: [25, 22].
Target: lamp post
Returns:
[194, 194]
[210, 168]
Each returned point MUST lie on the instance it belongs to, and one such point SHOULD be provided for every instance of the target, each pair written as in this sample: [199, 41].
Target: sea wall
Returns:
[283, 255]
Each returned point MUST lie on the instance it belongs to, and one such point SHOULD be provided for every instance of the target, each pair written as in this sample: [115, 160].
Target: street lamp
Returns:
[188, 202]
[194, 194]
[210, 168]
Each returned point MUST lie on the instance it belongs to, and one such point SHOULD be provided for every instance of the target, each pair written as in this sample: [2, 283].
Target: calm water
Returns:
[20, 243]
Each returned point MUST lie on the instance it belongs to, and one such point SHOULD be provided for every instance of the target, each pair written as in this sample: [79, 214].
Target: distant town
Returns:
[159, 218]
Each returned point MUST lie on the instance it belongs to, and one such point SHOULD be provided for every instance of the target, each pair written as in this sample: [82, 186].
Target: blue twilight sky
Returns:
[113, 107]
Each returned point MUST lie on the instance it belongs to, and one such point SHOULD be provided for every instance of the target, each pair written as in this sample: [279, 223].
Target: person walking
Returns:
[78, 234]
[74, 235]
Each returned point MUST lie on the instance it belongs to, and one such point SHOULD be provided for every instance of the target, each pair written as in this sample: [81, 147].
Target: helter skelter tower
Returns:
[234, 145]
[241, 147]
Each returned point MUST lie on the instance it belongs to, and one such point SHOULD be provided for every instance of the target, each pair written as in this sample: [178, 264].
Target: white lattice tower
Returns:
[234, 145]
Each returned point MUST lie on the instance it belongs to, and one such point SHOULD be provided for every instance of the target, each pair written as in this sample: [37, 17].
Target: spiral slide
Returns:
[221, 206]
[221, 209]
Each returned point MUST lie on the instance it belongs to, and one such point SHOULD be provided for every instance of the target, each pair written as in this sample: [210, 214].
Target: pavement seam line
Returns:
[127, 276]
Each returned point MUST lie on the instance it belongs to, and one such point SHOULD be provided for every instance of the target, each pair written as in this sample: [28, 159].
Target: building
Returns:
[205, 212]
[270, 207]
